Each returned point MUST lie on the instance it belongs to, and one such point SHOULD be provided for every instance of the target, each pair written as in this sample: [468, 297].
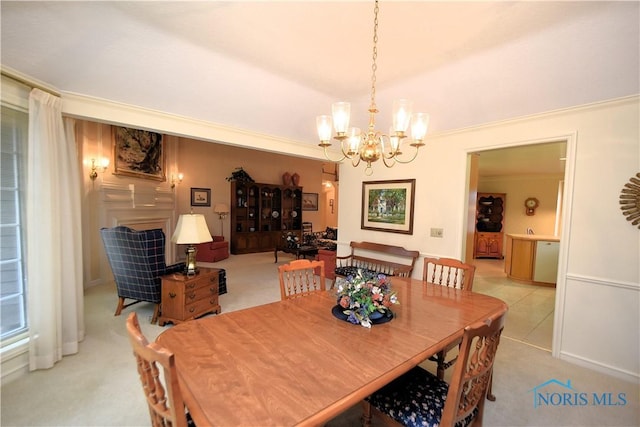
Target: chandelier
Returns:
[373, 145]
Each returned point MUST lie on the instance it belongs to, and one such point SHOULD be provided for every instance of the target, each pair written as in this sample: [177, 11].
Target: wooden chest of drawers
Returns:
[185, 298]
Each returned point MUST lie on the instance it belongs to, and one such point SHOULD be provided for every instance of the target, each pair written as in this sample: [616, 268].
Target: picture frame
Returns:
[309, 201]
[388, 206]
[200, 196]
[138, 153]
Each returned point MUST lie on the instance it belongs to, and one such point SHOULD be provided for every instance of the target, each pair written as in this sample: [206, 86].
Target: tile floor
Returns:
[531, 307]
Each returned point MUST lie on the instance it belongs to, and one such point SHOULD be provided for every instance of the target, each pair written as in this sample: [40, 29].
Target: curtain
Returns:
[54, 246]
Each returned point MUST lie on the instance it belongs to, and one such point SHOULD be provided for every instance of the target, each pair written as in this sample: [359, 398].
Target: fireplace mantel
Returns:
[140, 207]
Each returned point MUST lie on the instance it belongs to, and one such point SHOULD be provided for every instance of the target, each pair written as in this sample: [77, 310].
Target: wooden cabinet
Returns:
[488, 245]
[532, 258]
[489, 237]
[185, 298]
[261, 213]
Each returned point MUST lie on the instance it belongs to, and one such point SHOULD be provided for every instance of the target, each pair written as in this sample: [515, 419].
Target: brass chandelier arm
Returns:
[402, 161]
[326, 154]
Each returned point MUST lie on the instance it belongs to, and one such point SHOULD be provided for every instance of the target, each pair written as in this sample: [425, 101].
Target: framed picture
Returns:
[388, 206]
[200, 196]
[138, 153]
[309, 201]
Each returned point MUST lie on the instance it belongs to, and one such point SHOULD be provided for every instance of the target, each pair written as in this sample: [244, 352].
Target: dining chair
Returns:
[448, 272]
[451, 273]
[419, 398]
[162, 392]
[301, 277]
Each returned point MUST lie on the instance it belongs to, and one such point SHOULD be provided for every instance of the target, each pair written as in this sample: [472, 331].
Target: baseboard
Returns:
[633, 377]
[15, 361]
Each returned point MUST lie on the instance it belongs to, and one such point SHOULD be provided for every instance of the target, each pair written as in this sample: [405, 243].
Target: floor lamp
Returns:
[222, 210]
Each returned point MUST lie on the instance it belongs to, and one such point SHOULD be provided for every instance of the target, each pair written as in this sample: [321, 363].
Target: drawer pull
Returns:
[212, 302]
[172, 294]
[191, 285]
[213, 279]
[213, 290]
[192, 295]
[192, 309]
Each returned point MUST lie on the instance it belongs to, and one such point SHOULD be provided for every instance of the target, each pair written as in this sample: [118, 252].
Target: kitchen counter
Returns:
[536, 237]
[532, 258]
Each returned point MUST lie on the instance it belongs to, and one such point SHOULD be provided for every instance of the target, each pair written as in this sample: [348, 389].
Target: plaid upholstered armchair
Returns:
[137, 261]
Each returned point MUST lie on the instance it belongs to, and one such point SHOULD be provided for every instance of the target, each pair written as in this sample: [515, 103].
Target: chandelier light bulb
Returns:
[341, 112]
[401, 115]
[324, 128]
[394, 140]
[355, 137]
[419, 126]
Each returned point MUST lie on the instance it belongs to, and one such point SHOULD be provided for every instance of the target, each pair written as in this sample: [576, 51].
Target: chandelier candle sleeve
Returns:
[341, 112]
[401, 116]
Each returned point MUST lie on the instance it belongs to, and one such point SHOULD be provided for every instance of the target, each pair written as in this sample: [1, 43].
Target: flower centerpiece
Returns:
[291, 240]
[365, 296]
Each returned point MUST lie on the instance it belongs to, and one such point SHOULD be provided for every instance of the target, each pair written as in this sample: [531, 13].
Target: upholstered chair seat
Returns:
[415, 399]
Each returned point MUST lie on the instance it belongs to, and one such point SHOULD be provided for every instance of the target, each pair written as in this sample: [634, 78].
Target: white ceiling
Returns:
[271, 67]
[538, 159]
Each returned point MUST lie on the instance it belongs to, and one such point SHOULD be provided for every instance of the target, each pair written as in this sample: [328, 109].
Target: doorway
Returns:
[520, 172]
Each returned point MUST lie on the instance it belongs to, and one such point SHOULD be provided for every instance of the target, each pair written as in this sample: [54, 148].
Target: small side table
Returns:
[187, 297]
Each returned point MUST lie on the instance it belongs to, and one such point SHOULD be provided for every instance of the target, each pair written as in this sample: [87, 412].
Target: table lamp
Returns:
[222, 210]
[191, 230]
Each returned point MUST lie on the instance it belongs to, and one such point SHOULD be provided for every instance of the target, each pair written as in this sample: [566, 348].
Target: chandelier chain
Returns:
[374, 66]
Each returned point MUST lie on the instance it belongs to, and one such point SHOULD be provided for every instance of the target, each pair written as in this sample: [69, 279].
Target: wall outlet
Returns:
[437, 232]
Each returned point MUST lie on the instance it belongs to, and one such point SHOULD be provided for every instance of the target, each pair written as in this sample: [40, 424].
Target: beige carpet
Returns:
[99, 386]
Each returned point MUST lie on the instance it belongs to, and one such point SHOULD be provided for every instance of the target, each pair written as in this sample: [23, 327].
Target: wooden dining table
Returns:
[293, 363]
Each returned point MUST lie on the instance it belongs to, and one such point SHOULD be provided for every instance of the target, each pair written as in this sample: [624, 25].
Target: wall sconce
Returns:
[176, 179]
[104, 163]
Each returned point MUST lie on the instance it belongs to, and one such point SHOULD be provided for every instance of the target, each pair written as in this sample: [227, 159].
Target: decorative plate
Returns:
[294, 214]
[630, 200]
[338, 313]
[275, 214]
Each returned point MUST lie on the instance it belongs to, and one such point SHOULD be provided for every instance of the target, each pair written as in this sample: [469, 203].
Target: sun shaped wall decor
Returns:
[630, 200]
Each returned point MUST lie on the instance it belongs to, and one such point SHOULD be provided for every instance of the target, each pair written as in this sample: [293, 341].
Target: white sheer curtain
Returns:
[54, 246]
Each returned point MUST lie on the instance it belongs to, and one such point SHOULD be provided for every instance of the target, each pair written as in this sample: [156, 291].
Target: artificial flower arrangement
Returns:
[291, 239]
[365, 296]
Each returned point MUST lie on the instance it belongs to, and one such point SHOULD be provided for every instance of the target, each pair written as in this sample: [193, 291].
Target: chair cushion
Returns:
[416, 398]
[331, 233]
[352, 271]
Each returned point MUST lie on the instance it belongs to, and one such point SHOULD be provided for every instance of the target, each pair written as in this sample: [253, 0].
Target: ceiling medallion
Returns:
[373, 145]
[630, 200]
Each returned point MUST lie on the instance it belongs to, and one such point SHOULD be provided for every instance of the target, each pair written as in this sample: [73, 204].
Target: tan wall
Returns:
[517, 189]
[207, 165]
[204, 165]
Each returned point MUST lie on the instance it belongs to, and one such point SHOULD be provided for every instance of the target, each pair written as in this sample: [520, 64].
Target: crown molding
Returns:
[116, 113]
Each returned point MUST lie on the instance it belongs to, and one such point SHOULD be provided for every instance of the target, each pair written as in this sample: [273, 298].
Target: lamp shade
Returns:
[191, 229]
[221, 208]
